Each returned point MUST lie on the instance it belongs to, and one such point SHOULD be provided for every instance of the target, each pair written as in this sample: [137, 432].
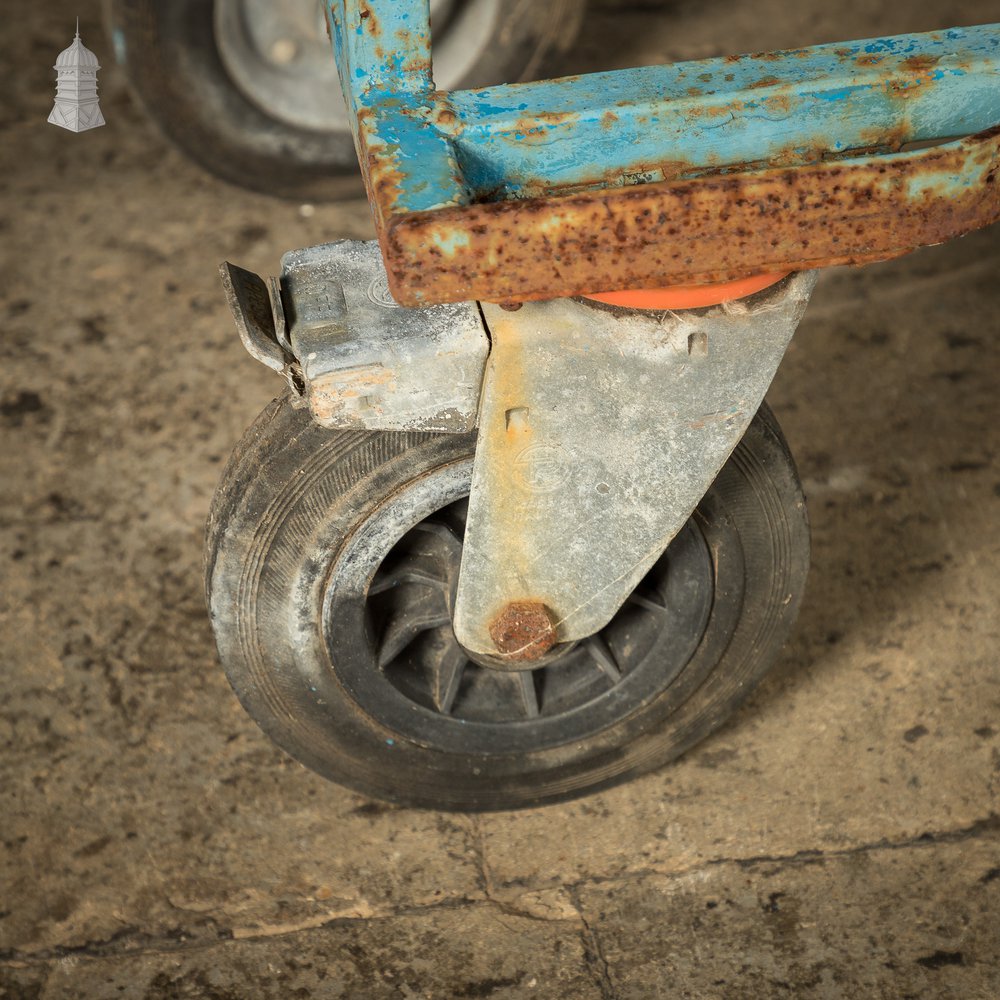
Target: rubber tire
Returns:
[169, 54]
[293, 493]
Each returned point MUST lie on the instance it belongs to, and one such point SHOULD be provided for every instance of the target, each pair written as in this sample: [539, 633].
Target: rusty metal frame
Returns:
[693, 172]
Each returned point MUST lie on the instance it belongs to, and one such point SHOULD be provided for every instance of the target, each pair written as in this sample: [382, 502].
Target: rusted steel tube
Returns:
[714, 228]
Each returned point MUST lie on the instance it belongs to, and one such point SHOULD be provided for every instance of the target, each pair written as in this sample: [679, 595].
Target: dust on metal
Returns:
[360, 360]
[369, 363]
[600, 431]
[524, 631]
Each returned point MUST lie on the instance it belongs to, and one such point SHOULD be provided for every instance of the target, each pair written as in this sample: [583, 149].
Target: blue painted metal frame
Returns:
[434, 162]
[718, 112]
[383, 53]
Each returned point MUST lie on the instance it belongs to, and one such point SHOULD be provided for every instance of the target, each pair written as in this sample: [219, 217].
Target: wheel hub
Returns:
[278, 54]
[400, 659]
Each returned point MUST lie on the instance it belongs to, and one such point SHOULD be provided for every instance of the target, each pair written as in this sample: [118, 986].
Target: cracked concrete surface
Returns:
[839, 838]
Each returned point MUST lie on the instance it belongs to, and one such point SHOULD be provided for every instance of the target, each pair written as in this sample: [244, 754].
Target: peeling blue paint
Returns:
[656, 122]
[832, 95]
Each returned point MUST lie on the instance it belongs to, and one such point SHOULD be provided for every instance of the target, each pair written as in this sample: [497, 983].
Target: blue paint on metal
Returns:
[862, 101]
[695, 117]
[836, 95]
[379, 36]
[415, 157]
[382, 48]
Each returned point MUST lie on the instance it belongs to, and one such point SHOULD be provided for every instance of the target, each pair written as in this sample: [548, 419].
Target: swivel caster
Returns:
[333, 561]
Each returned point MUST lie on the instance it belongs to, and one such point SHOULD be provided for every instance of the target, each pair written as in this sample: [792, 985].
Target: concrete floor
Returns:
[839, 838]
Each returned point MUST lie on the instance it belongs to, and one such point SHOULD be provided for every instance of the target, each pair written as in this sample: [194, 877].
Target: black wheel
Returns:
[248, 88]
[332, 563]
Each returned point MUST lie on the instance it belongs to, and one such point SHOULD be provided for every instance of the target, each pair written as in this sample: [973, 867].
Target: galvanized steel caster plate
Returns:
[332, 570]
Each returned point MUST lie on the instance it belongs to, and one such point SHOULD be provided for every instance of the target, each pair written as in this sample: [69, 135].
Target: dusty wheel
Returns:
[332, 560]
[248, 88]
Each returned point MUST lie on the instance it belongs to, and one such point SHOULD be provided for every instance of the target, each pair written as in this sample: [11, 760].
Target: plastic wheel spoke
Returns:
[644, 602]
[601, 653]
[427, 610]
[529, 696]
[404, 574]
[447, 668]
[444, 533]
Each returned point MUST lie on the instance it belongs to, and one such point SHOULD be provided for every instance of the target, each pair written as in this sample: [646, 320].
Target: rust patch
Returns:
[719, 227]
[537, 127]
[643, 173]
[608, 120]
[383, 180]
[336, 394]
[918, 77]
[555, 117]
[920, 64]
[875, 140]
[370, 22]
[766, 81]
[524, 631]
[779, 104]
[725, 110]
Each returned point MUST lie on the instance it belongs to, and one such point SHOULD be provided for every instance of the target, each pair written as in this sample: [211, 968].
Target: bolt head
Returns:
[524, 630]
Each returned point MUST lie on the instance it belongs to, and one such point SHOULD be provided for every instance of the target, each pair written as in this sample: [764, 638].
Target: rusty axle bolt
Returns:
[524, 631]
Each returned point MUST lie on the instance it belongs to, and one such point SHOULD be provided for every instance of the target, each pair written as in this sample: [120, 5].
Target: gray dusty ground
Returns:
[839, 838]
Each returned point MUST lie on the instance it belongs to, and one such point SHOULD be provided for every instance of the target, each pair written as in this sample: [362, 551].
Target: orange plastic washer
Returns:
[688, 296]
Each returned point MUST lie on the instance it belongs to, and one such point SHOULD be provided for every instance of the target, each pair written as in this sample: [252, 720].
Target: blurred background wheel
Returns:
[248, 88]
